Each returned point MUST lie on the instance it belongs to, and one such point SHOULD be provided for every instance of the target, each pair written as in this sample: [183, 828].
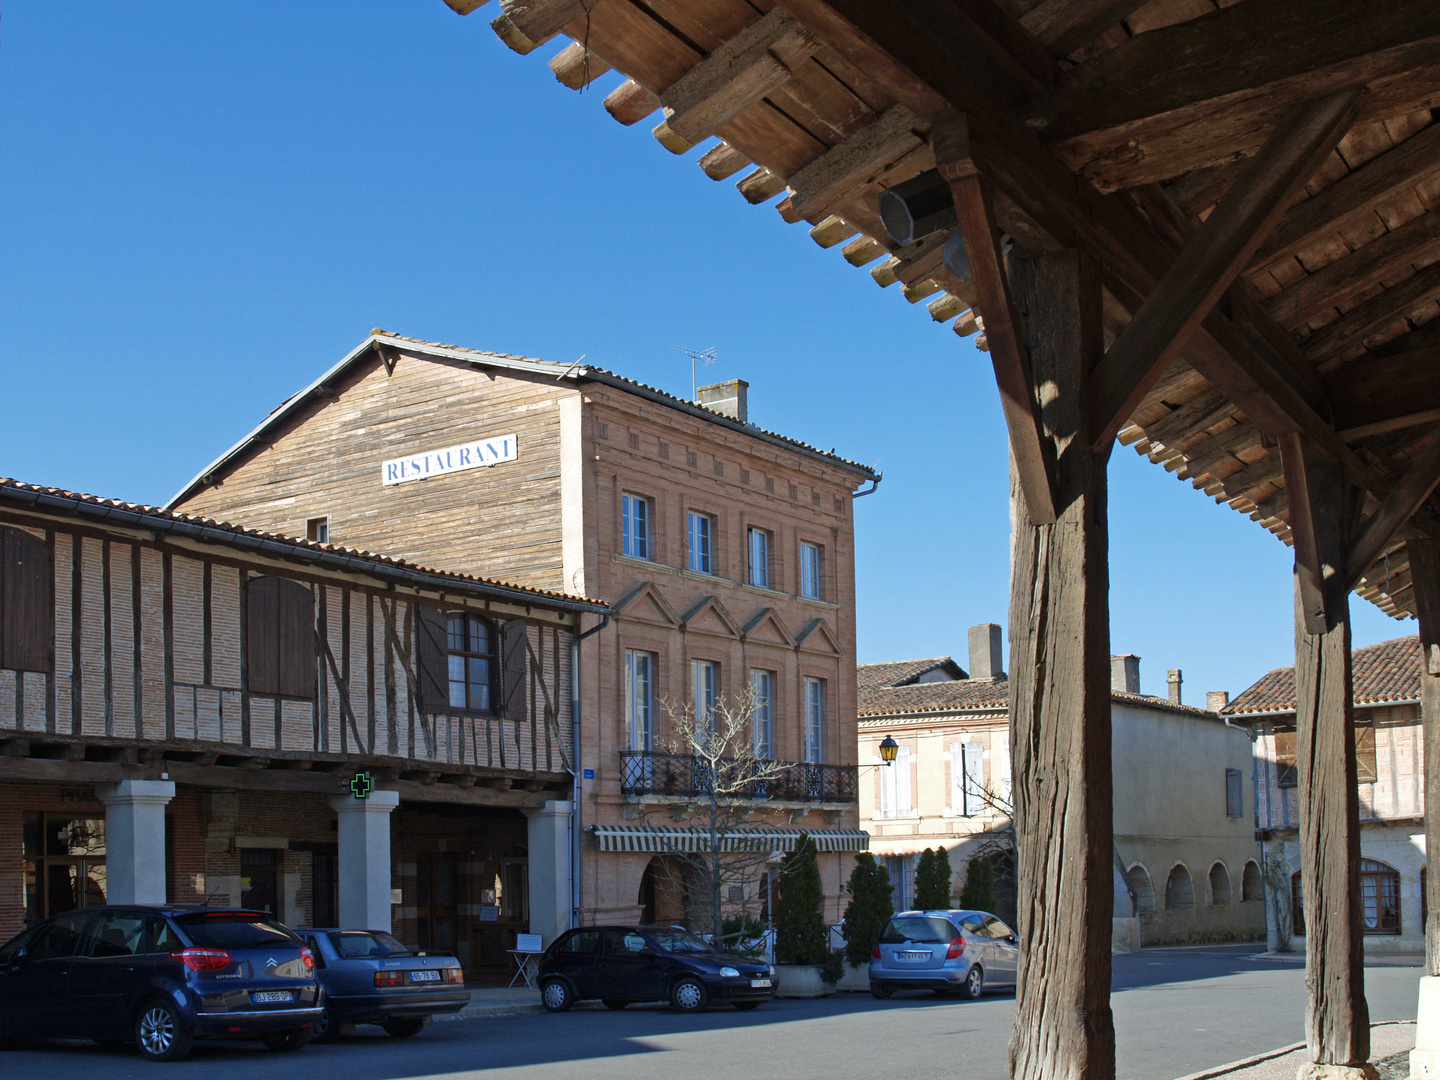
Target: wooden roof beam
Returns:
[1175, 99]
[630, 102]
[1382, 394]
[1405, 498]
[736, 75]
[525, 25]
[1214, 257]
[854, 161]
[1304, 532]
[577, 67]
[1348, 332]
[1064, 25]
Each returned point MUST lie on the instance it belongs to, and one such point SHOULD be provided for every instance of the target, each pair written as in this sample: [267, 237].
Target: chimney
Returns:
[1125, 673]
[727, 399]
[1173, 678]
[1215, 700]
[985, 660]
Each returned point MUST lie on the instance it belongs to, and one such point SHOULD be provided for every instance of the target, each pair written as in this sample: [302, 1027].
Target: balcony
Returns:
[651, 772]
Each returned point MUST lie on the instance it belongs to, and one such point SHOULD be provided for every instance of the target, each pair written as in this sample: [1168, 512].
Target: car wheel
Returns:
[880, 990]
[611, 1003]
[974, 983]
[746, 1006]
[404, 1029]
[689, 995]
[293, 1039]
[160, 1032]
[327, 1027]
[556, 995]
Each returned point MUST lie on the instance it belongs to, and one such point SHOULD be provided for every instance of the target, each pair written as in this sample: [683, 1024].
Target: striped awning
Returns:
[661, 838]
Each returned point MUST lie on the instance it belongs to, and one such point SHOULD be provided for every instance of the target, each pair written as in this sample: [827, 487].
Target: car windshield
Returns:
[920, 929]
[360, 944]
[236, 930]
[679, 941]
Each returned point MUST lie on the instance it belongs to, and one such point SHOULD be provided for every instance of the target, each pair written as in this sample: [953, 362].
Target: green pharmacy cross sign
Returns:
[362, 785]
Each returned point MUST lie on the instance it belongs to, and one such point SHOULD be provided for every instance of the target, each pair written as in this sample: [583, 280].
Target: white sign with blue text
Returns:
[471, 455]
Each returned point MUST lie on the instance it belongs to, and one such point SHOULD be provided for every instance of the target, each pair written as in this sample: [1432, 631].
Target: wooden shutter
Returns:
[1365, 771]
[432, 652]
[280, 637]
[957, 777]
[27, 602]
[1234, 797]
[974, 778]
[903, 803]
[262, 632]
[514, 669]
[1285, 758]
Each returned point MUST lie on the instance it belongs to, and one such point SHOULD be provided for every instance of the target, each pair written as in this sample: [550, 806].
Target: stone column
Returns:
[549, 845]
[135, 840]
[365, 859]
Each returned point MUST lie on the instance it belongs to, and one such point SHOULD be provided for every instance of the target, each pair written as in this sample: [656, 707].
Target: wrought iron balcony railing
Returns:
[652, 772]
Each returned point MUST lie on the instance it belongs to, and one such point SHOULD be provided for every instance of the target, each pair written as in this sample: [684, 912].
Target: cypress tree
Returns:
[801, 936]
[869, 909]
[979, 890]
[932, 880]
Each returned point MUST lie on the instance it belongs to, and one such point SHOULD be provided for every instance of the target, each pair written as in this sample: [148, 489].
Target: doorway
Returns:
[259, 880]
[435, 901]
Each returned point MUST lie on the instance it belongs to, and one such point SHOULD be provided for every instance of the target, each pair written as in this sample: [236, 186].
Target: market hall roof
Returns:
[1385, 673]
[385, 344]
[56, 501]
[1127, 130]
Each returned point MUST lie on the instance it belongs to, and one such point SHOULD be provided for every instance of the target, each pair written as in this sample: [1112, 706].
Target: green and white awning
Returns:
[660, 839]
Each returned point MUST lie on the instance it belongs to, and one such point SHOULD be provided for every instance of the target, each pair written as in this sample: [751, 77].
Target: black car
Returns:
[161, 977]
[370, 977]
[621, 964]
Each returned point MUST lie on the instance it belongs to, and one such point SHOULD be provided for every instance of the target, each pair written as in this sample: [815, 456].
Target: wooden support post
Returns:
[1425, 575]
[1337, 1020]
[1060, 698]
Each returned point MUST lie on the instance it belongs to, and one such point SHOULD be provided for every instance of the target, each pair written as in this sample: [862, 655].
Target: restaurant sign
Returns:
[471, 455]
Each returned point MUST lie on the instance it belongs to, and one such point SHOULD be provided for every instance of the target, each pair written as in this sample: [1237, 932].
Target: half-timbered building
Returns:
[725, 551]
[194, 712]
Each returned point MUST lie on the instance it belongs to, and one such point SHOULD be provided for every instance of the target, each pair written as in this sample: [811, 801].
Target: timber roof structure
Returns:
[1386, 673]
[49, 500]
[1257, 180]
[385, 344]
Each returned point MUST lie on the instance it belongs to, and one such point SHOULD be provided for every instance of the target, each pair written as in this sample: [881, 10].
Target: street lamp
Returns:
[888, 749]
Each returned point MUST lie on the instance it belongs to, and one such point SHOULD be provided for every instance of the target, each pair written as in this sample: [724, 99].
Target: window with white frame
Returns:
[639, 699]
[967, 778]
[759, 558]
[898, 867]
[701, 528]
[814, 719]
[895, 798]
[1000, 770]
[635, 526]
[763, 703]
[811, 571]
[703, 678]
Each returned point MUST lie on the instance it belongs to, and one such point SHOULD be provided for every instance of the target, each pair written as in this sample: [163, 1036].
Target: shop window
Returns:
[27, 602]
[64, 864]
[1379, 897]
[280, 638]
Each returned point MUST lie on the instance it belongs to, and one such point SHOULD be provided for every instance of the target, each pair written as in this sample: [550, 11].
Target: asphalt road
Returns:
[1175, 1012]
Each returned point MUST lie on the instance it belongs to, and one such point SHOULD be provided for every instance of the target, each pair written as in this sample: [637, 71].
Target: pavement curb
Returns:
[1269, 1055]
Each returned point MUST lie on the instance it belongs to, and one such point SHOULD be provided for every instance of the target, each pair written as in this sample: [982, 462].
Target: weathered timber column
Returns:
[1425, 575]
[1060, 699]
[1337, 1019]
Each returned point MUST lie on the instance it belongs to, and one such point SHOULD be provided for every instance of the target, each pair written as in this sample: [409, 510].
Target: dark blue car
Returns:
[160, 977]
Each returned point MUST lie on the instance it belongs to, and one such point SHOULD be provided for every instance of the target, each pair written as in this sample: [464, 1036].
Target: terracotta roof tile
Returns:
[972, 694]
[1387, 671]
[903, 672]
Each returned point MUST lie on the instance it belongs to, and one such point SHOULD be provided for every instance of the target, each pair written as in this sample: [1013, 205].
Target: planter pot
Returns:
[801, 981]
[856, 977]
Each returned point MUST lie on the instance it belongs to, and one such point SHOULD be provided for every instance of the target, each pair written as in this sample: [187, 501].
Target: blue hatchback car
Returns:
[160, 977]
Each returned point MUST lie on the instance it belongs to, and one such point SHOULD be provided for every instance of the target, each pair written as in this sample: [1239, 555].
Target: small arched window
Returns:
[1219, 884]
[1251, 884]
[280, 647]
[1379, 897]
[1179, 889]
[27, 602]
[1142, 887]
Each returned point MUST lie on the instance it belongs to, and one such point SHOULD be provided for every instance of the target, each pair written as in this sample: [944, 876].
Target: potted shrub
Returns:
[932, 881]
[869, 909]
[801, 946]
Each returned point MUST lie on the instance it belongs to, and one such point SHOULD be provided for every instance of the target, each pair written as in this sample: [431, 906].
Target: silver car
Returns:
[955, 952]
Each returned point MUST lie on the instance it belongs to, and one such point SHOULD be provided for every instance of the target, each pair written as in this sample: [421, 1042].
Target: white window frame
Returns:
[759, 549]
[635, 526]
[814, 720]
[812, 574]
[967, 778]
[896, 800]
[704, 682]
[639, 699]
[762, 691]
[317, 529]
[701, 531]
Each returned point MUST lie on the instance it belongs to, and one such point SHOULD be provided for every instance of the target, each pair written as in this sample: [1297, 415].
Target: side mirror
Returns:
[19, 957]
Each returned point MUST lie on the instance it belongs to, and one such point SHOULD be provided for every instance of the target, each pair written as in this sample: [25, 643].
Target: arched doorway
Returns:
[664, 895]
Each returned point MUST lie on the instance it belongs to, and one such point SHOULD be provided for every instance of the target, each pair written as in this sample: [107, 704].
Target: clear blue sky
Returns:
[206, 205]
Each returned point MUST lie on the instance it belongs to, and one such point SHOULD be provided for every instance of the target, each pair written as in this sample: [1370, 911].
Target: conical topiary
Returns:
[932, 880]
[800, 931]
[869, 909]
[978, 892]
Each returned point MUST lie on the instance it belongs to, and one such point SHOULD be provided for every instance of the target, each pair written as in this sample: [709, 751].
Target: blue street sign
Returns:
[589, 774]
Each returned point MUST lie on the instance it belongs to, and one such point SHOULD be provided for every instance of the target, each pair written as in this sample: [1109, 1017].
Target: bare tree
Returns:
[714, 781]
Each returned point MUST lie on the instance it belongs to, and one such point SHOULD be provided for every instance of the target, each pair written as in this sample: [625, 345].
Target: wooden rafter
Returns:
[1406, 497]
[1304, 532]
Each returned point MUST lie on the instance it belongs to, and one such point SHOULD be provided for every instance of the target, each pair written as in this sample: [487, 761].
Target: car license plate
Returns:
[912, 956]
[270, 997]
[424, 976]
[759, 982]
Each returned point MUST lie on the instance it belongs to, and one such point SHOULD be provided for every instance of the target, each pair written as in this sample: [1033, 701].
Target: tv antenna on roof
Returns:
[697, 357]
